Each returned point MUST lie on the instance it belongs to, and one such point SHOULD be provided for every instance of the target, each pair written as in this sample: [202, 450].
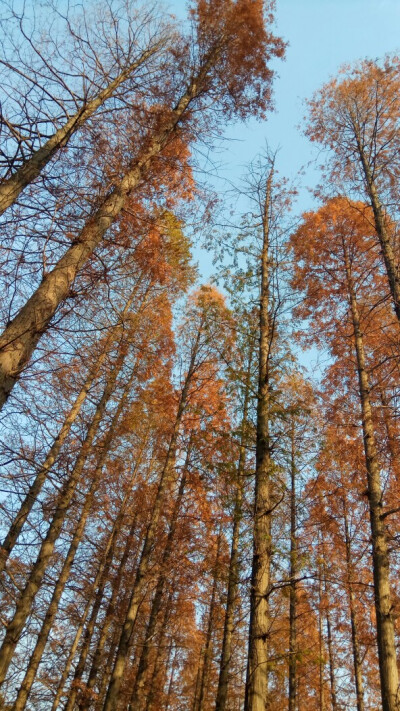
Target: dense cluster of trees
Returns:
[189, 520]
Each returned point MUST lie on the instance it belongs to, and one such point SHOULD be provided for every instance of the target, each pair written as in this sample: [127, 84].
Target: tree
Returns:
[358, 119]
[229, 63]
[335, 253]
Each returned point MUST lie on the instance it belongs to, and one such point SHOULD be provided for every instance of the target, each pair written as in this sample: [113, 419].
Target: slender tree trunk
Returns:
[36, 487]
[114, 688]
[171, 681]
[207, 656]
[25, 601]
[110, 613]
[257, 674]
[293, 576]
[21, 336]
[332, 678]
[10, 189]
[98, 600]
[353, 619]
[160, 658]
[101, 573]
[383, 604]
[321, 645]
[139, 690]
[233, 574]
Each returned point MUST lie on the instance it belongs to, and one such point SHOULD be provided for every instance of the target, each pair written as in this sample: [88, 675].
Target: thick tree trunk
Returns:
[233, 574]
[293, 577]
[257, 673]
[10, 189]
[20, 337]
[25, 601]
[167, 473]
[139, 687]
[380, 556]
[36, 486]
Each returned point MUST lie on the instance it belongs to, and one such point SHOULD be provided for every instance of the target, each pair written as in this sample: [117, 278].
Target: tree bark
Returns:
[353, 619]
[233, 574]
[293, 576]
[380, 556]
[207, 655]
[382, 232]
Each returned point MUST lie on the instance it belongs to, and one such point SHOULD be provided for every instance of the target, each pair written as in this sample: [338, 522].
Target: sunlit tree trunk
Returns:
[21, 336]
[383, 604]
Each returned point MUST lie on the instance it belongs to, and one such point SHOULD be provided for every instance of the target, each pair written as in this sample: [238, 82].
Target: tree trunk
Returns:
[138, 691]
[380, 223]
[353, 620]
[380, 557]
[293, 576]
[207, 656]
[114, 688]
[257, 673]
[10, 189]
[233, 574]
[25, 602]
[101, 573]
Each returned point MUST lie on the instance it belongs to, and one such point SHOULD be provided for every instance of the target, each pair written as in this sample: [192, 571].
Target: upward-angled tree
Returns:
[227, 62]
[357, 116]
[336, 265]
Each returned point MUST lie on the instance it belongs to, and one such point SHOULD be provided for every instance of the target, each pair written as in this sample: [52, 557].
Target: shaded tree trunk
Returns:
[207, 655]
[293, 576]
[382, 231]
[353, 619]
